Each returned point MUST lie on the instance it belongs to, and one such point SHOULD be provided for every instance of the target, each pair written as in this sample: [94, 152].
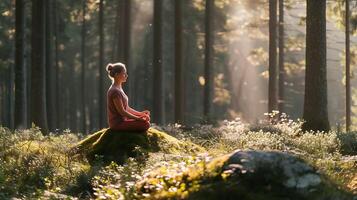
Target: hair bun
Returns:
[109, 67]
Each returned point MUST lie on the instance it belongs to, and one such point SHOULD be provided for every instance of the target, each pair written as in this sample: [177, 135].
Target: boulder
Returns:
[244, 175]
[110, 145]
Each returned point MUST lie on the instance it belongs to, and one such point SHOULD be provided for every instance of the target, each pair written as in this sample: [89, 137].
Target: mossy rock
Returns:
[248, 175]
[111, 145]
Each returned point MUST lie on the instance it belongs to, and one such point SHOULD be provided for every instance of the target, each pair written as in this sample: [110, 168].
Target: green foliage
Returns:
[117, 182]
[348, 142]
[32, 165]
[336, 12]
[30, 161]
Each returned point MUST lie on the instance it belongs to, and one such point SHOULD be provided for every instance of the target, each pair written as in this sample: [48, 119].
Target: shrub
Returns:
[348, 143]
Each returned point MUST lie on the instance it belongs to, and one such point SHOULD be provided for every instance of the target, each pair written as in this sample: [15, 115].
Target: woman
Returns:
[120, 115]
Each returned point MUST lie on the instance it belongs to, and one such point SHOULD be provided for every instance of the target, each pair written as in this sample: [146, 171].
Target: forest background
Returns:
[83, 36]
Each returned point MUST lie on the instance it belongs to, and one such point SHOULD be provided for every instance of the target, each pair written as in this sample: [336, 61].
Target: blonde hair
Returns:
[114, 68]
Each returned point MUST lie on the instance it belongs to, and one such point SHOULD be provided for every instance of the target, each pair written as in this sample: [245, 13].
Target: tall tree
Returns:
[157, 62]
[10, 95]
[120, 31]
[20, 69]
[56, 67]
[50, 72]
[178, 63]
[272, 99]
[38, 92]
[281, 99]
[83, 63]
[126, 39]
[348, 62]
[208, 59]
[315, 102]
[101, 95]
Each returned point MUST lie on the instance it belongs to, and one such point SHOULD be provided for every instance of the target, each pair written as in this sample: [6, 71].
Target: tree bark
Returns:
[83, 63]
[157, 61]
[281, 93]
[272, 99]
[101, 94]
[315, 104]
[57, 76]
[178, 63]
[126, 41]
[208, 60]
[38, 72]
[50, 74]
[120, 30]
[11, 95]
[348, 62]
[20, 68]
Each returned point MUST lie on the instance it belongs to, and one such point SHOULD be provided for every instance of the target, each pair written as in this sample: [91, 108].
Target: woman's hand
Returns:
[146, 112]
[142, 118]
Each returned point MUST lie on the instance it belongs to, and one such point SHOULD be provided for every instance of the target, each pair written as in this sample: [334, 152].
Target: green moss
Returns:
[117, 146]
[210, 181]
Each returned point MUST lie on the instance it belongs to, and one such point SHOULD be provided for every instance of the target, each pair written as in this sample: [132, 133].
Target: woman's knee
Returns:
[146, 125]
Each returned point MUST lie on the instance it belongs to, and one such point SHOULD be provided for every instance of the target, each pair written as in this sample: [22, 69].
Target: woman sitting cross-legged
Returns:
[120, 115]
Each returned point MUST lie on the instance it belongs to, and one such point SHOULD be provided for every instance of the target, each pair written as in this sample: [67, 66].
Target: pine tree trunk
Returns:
[272, 99]
[83, 63]
[115, 33]
[50, 74]
[315, 102]
[11, 95]
[157, 72]
[178, 64]
[126, 42]
[348, 77]
[120, 30]
[2, 91]
[101, 90]
[20, 68]
[38, 92]
[281, 101]
[57, 76]
[208, 59]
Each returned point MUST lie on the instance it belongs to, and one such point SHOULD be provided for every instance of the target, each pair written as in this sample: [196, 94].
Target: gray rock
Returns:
[291, 171]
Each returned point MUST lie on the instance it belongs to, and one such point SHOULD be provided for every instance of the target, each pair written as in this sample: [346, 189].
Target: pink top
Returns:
[114, 116]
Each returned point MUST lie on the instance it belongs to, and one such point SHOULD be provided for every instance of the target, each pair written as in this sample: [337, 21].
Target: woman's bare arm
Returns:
[133, 111]
[120, 108]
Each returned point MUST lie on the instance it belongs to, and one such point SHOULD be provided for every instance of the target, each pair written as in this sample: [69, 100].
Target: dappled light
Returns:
[178, 99]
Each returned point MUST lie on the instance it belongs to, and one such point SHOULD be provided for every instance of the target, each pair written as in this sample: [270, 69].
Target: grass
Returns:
[33, 165]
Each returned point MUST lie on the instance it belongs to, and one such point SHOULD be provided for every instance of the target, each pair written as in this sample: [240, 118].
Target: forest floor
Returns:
[36, 166]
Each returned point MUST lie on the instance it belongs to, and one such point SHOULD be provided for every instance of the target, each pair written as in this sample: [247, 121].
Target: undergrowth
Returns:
[31, 164]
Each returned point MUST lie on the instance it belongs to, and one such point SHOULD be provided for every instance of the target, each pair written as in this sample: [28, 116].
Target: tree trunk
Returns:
[315, 104]
[272, 99]
[120, 31]
[126, 41]
[101, 93]
[57, 76]
[115, 33]
[348, 77]
[208, 60]
[2, 91]
[20, 68]
[83, 63]
[157, 62]
[281, 98]
[50, 74]
[10, 95]
[38, 92]
[178, 64]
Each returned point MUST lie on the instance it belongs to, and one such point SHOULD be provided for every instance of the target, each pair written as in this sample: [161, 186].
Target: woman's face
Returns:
[122, 76]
